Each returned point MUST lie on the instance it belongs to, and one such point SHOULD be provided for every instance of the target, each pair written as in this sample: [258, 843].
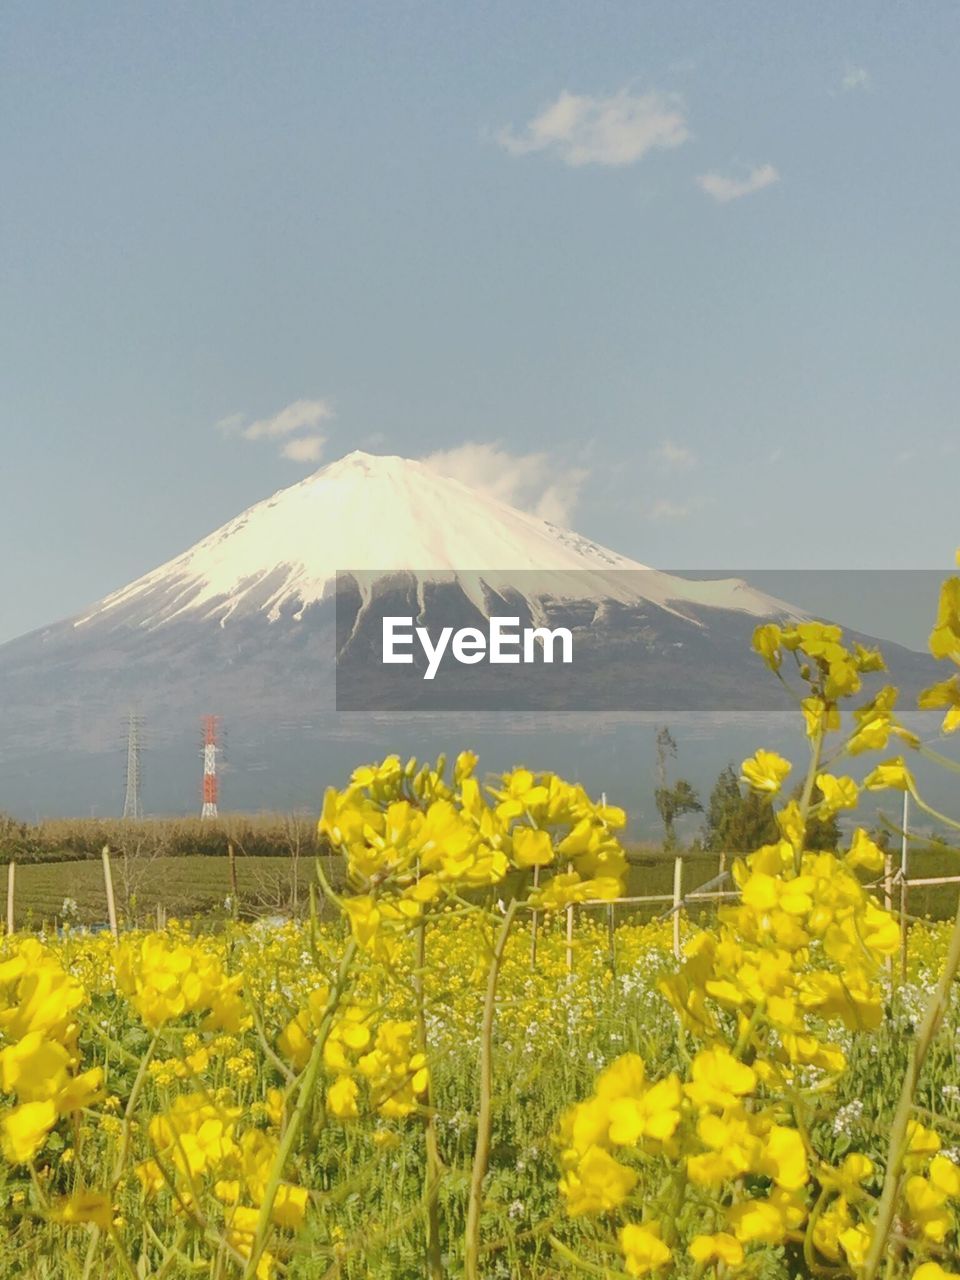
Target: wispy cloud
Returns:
[301, 415]
[665, 509]
[674, 456]
[854, 78]
[724, 188]
[533, 482]
[614, 131]
[304, 449]
[295, 426]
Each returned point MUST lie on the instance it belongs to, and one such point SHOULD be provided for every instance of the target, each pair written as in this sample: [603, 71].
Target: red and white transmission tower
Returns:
[211, 783]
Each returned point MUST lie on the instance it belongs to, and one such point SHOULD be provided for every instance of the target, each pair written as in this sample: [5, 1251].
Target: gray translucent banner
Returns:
[607, 639]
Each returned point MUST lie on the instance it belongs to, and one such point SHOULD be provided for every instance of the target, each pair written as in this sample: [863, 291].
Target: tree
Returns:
[672, 801]
[737, 822]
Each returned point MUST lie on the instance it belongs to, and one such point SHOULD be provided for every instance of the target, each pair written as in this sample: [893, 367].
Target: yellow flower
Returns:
[864, 852]
[934, 1271]
[855, 1243]
[765, 771]
[836, 793]
[927, 1205]
[785, 1158]
[643, 1249]
[532, 848]
[922, 1143]
[719, 1079]
[655, 1114]
[82, 1207]
[819, 716]
[34, 1067]
[946, 694]
[945, 1176]
[891, 774]
[945, 636]
[721, 1247]
[290, 1206]
[598, 1184]
[24, 1130]
[767, 1221]
[766, 642]
[342, 1098]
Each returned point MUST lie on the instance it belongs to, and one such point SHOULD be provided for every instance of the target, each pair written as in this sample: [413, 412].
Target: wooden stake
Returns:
[11, 885]
[108, 884]
[569, 930]
[904, 885]
[534, 924]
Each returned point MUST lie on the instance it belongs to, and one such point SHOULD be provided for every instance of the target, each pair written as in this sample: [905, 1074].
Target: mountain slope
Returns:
[371, 513]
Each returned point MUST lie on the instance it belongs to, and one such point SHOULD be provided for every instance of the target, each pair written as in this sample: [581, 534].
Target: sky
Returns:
[680, 275]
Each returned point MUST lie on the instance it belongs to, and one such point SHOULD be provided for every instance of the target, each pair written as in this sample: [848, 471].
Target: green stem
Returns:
[481, 1155]
[897, 1149]
[305, 1092]
[431, 1186]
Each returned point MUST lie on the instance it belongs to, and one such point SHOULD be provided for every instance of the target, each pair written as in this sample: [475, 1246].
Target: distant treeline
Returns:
[74, 839]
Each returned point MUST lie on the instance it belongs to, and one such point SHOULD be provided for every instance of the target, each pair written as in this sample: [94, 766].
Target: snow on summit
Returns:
[366, 513]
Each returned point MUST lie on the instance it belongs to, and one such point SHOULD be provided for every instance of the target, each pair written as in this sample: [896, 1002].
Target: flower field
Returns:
[408, 1092]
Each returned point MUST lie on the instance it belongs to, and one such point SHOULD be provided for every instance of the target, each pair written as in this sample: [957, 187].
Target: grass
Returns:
[199, 885]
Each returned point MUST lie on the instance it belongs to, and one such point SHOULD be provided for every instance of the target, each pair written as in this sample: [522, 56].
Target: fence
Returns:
[895, 884]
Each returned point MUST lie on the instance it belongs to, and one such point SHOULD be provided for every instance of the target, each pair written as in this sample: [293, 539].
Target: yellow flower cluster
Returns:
[39, 1061]
[198, 1151]
[801, 950]
[166, 977]
[411, 839]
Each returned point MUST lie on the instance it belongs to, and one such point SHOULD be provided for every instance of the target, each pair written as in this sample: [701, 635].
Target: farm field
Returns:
[200, 886]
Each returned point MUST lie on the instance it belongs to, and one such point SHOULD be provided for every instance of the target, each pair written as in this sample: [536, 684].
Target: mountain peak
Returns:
[380, 512]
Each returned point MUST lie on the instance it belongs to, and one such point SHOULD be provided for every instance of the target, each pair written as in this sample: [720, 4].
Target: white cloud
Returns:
[664, 509]
[533, 482]
[617, 130]
[304, 449]
[724, 189]
[674, 457]
[855, 78]
[301, 415]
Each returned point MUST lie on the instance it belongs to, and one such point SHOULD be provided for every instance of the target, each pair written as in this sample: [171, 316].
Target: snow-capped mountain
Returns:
[370, 513]
[248, 624]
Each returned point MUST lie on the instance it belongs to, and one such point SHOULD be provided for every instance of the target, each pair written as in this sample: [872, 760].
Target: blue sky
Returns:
[684, 274]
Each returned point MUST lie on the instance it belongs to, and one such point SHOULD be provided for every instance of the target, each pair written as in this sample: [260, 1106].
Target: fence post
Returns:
[569, 930]
[234, 887]
[677, 900]
[904, 885]
[11, 886]
[612, 937]
[888, 899]
[108, 885]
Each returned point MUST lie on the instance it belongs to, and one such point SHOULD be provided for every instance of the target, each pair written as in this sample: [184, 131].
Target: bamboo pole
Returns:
[677, 902]
[11, 886]
[108, 885]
